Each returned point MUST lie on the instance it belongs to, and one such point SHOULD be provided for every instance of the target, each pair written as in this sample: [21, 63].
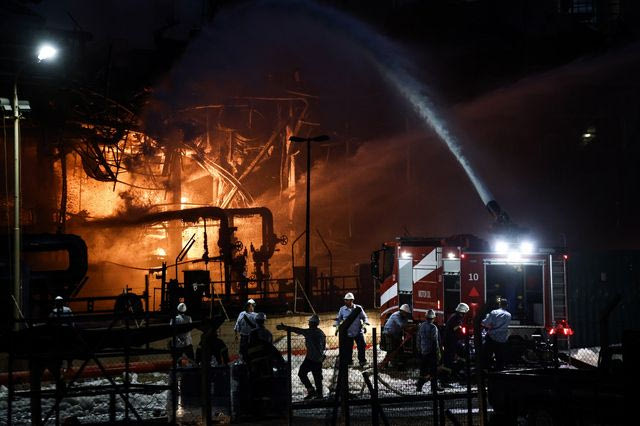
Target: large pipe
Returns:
[269, 238]
[187, 215]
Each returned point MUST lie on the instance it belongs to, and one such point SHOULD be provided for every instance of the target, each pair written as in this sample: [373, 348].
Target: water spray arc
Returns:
[392, 64]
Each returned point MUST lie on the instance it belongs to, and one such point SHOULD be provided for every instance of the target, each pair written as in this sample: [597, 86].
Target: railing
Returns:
[277, 295]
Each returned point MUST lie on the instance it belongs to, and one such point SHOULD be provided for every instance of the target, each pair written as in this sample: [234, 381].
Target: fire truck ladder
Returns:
[558, 290]
[559, 297]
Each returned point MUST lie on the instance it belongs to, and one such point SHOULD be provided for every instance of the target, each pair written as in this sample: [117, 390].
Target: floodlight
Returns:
[501, 247]
[526, 247]
[47, 51]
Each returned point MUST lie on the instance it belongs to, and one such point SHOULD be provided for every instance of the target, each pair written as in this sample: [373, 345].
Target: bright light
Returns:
[160, 252]
[526, 247]
[451, 255]
[501, 247]
[405, 255]
[46, 52]
[587, 135]
[183, 199]
[513, 256]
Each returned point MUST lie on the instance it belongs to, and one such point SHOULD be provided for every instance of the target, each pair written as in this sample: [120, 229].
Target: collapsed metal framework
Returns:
[229, 142]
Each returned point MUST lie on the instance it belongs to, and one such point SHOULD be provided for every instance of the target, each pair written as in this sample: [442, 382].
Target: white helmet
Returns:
[250, 302]
[182, 307]
[405, 308]
[431, 314]
[261, 316]
[463, 308]
[59, 298]
[349, 296]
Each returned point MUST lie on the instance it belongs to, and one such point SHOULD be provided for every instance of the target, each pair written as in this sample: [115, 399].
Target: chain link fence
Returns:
[126, 371]
[386, 388]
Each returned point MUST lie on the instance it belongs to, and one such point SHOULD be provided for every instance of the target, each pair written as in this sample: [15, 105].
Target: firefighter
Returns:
[454, 337]
[356, 329]
[497, 325]
[61, 311]
[429, 350]
[244, 324]
[316, 343]
[262, 358]
[61, 316]
[182, 343]
[393, 331]
[212, 344]
[260, 332]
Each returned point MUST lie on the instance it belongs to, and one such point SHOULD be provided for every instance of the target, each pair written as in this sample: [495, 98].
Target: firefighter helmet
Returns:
[431, 314]
[463, 308]
[313, 319]
[59, 298]
[349, 296]
[250, 302]
[405, 308]
[182, 307]
[261, 316]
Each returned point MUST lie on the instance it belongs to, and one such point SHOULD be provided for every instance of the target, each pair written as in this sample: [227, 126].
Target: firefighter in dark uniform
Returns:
[262, 359]
[454, 337]
[316, 343]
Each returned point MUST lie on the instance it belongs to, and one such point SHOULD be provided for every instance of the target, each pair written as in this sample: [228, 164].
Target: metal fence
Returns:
[126, 371]
[380, 392]
[97, 369]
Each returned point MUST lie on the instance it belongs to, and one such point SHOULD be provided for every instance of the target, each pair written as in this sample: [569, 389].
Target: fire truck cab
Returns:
[434, 273]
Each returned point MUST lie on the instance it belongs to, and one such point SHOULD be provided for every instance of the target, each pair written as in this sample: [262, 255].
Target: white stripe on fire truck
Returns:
[427, 265]
[389, 294]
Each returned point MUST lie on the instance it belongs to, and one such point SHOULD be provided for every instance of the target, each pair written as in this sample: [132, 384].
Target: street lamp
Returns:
[307, 273]
[45, 52]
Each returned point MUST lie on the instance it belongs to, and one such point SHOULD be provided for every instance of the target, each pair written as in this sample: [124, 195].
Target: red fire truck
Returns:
[435, 273]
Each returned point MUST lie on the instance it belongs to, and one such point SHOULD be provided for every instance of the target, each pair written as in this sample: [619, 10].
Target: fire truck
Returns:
[439, 273]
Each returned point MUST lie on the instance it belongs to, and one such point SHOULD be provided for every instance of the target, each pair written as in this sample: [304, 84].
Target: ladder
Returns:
[558, 290]
[559, 298]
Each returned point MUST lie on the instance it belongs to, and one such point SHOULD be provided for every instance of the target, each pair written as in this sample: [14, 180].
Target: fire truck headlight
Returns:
[405, 255]
[451, 255]
[501, 247]
[526, 247]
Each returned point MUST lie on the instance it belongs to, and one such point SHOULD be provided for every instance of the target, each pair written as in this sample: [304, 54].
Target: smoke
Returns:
[389, 187]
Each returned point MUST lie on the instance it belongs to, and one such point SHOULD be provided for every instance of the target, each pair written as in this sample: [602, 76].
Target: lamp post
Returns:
[45, 53]
[307, 272]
